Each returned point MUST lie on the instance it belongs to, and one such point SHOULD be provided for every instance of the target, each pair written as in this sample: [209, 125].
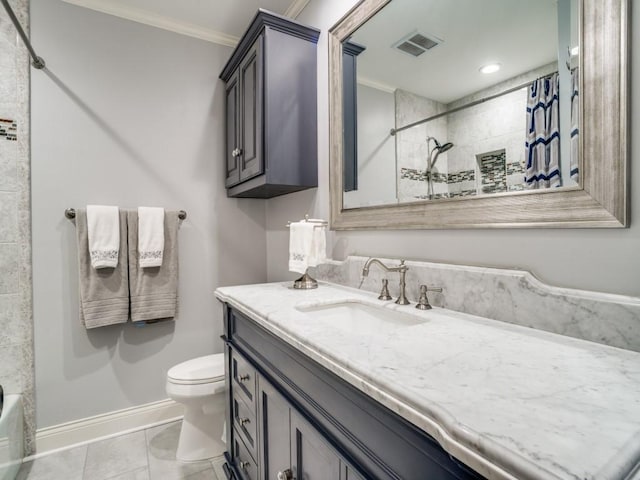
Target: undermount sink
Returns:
[360, 317]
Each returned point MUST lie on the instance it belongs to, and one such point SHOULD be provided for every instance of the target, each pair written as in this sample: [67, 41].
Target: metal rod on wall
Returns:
[467, 105]
[38, 62]
[70, 213]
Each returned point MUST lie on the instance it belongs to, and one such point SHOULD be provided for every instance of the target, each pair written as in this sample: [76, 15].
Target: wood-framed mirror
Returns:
[599, 198]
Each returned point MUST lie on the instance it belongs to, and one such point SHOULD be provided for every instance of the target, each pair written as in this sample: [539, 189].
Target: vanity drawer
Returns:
[244, 423]
[243, 377]
[244, 462]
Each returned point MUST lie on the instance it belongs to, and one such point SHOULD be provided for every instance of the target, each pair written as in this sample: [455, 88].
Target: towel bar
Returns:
[70, 213]
[320, 223]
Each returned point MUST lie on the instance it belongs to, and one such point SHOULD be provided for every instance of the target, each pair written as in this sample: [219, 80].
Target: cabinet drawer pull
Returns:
[286, 475]
[244, 378]
[244, 421]
[244, 465]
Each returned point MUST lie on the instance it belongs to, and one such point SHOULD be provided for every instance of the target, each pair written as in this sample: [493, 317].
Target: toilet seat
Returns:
[207, 369]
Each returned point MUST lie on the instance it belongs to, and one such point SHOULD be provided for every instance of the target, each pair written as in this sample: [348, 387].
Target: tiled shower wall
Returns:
[411, 145]
[476, 132]
[16, 309]
[486, 128]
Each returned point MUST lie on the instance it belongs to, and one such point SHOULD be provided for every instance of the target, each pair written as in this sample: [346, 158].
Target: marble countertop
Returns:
[509, 401]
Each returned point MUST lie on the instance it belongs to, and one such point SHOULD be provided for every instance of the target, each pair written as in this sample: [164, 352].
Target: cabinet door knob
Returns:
[244, 378]
[286, 475]
[235, 152]
[244, 421]
[244, 465]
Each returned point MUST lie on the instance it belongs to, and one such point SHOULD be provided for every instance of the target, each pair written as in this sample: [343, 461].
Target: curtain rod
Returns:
[467, 105]
[38, 62]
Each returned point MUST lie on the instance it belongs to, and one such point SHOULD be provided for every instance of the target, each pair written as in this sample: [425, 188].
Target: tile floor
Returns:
[145, 455]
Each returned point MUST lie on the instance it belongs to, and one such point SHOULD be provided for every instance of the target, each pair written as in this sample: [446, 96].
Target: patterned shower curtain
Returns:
[575, 130]
[543, 139]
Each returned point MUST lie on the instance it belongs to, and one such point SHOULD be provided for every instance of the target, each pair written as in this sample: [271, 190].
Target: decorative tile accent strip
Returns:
[464, 193]
[436, 196]
[413, 174]
[8, 129]
[462, 176]
[494, 173]
[419, 175]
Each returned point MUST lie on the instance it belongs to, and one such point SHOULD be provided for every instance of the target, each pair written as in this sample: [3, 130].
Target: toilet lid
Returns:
[209, 368]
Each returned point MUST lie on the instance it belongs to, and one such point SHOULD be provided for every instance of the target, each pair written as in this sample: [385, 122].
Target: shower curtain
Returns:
[543, 139]
[574, 124]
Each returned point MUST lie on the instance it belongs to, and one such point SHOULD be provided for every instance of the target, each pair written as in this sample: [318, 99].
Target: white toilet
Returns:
[199, 385]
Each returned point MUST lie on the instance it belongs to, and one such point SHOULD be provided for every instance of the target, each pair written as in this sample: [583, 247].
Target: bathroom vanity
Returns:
[333, 383]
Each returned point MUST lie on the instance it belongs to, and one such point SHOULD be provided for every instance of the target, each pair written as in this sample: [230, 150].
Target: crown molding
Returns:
[296, 8]
[160, 21]
[367, 82]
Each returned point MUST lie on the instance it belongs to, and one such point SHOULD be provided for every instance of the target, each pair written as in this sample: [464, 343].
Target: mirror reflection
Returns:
[452, 98]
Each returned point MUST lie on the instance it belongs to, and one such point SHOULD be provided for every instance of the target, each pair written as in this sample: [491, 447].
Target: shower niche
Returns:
[496, 175]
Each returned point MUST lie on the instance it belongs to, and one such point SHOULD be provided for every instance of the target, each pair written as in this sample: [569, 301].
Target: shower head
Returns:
[445, 147]
[437, 150]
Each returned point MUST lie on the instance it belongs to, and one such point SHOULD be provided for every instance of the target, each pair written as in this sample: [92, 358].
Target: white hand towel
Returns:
[150, 236]
[301, 236]
[103, 226]
[319, 247]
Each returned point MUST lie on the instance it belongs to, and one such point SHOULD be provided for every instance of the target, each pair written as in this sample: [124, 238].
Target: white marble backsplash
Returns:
[512, 296]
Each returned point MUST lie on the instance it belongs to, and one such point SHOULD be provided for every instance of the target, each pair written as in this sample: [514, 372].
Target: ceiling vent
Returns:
[416, 44]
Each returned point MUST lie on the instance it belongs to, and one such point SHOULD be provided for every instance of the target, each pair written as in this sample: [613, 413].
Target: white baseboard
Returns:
[99, 427]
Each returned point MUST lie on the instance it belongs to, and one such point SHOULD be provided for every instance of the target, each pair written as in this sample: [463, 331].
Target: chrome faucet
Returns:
[401, 269]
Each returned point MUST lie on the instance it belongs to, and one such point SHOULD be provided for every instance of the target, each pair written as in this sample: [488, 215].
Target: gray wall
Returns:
[128, 115]
[16, 326]
[593, 259]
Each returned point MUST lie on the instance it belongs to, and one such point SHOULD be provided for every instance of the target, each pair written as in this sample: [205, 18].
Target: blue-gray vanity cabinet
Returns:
[271, 109]
[317, 425]
[290, 443]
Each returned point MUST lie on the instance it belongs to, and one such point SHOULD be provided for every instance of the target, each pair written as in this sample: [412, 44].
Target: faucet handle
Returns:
[423, 301]
[384, 293]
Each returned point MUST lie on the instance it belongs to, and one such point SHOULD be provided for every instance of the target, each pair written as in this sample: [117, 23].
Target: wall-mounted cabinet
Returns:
[271, 109]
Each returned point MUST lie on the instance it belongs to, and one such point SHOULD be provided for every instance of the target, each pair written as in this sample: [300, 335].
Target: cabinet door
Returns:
[313, 457]
[275, 420]
[251, 74]
[244, 462]
[232, 141]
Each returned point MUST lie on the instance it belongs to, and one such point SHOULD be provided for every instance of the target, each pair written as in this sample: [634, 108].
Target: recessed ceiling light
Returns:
[491, 68]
